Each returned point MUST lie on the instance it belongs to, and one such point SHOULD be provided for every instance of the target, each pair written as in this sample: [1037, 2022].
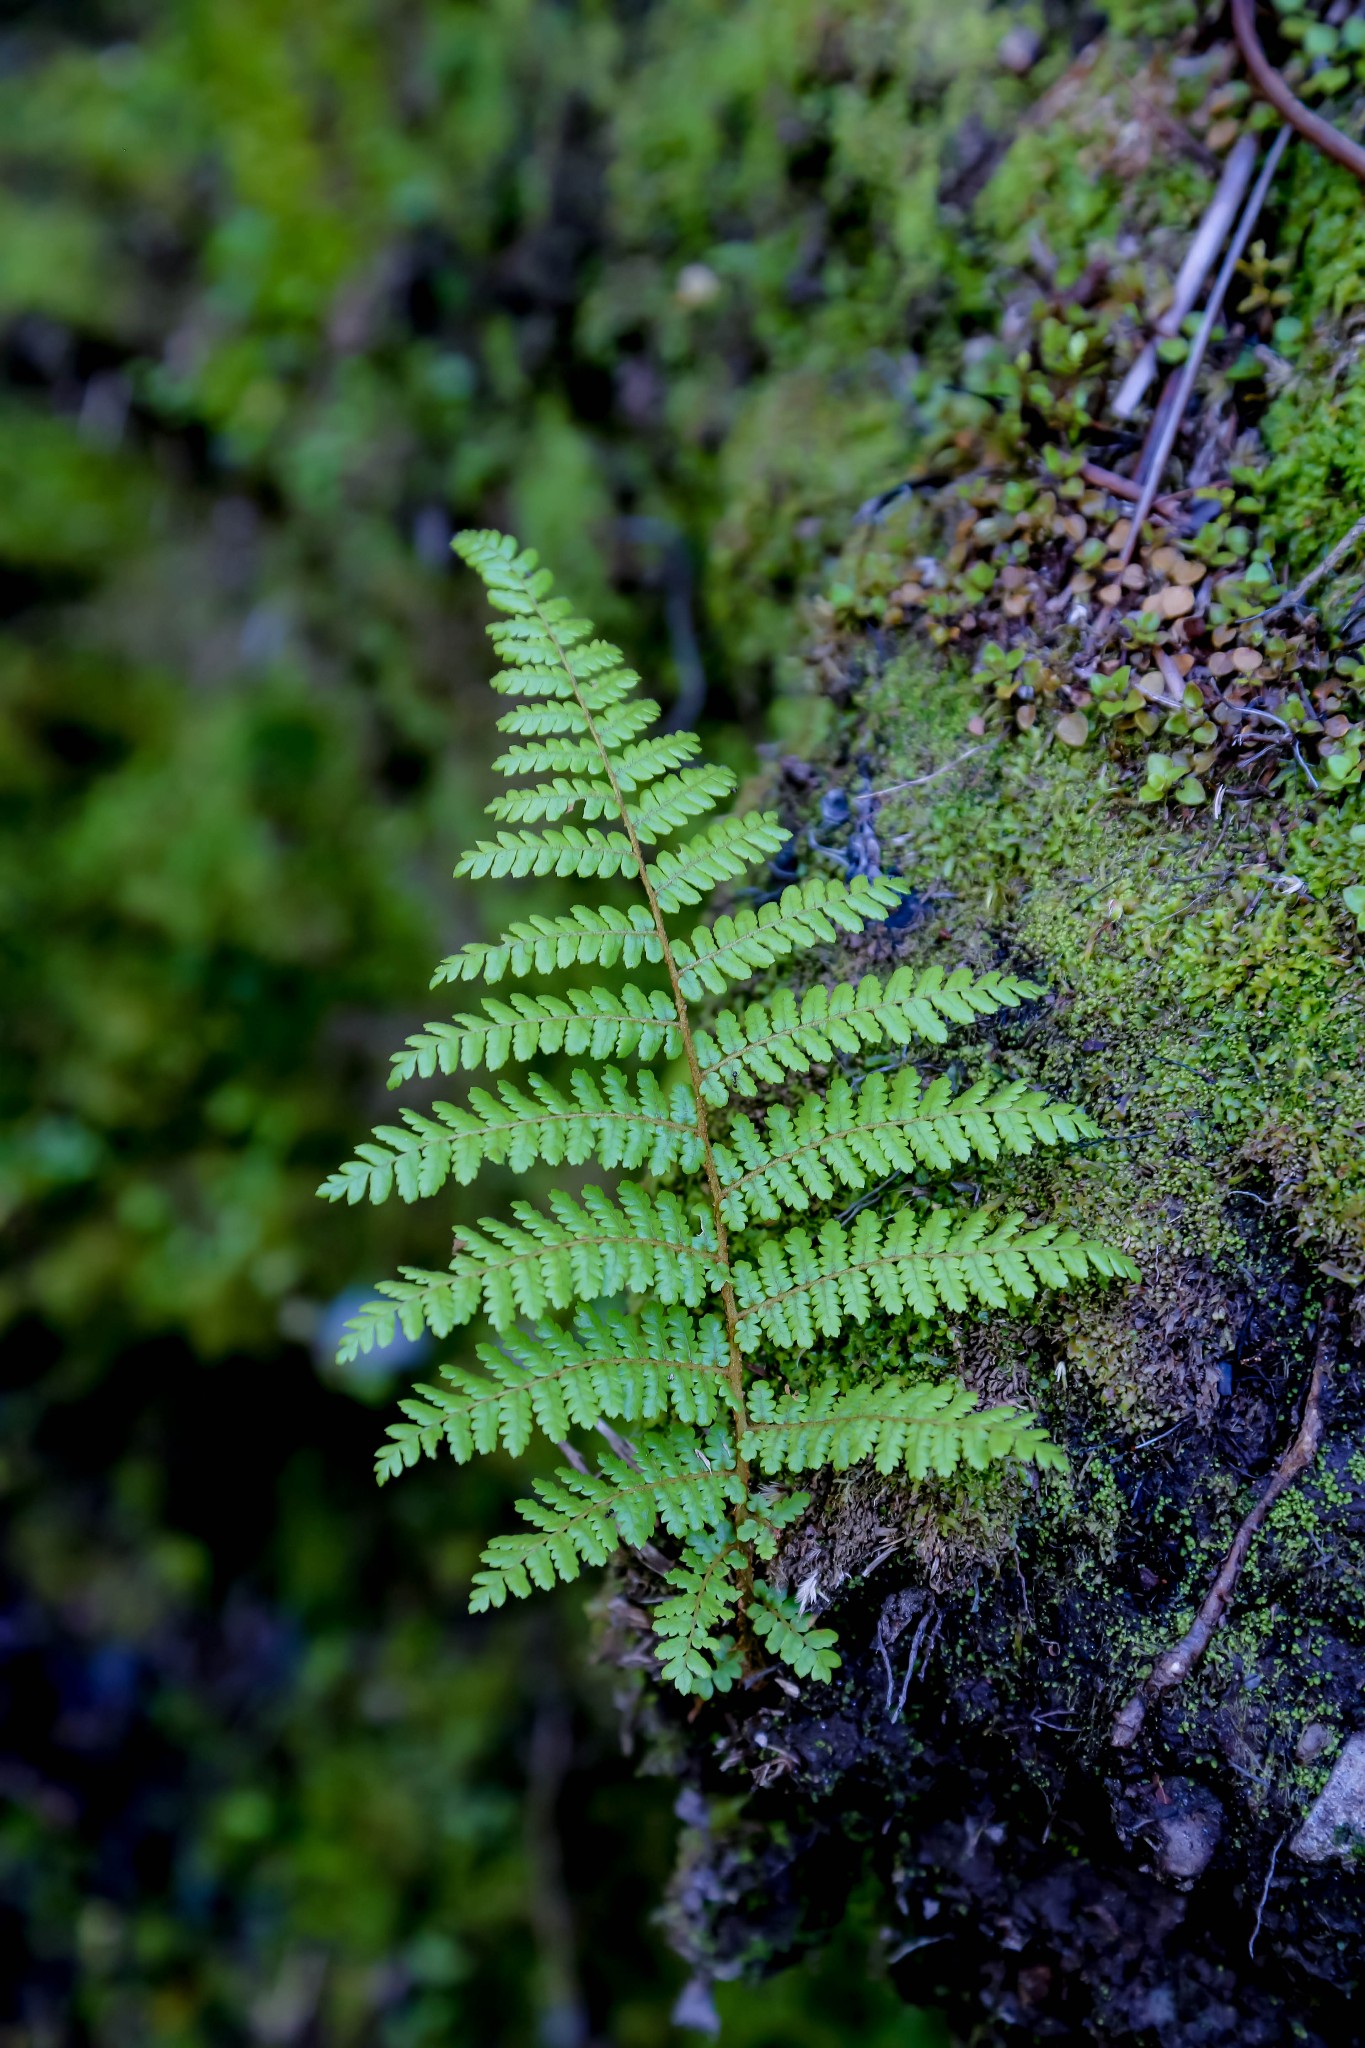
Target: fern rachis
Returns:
[673, 1283]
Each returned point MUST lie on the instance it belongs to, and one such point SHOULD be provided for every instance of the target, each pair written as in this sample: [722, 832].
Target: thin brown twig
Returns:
[1320, 133]
[1176, 1664]
[1265, 1894]
[1190, 369]
[1325, 567]
[1125, 488]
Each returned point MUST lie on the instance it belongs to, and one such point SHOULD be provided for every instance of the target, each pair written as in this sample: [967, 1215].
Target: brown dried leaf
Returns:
[1172, 601]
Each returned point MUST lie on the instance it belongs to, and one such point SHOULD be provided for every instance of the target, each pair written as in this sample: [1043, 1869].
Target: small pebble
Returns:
[1316, 1738]
[1019, 49]
[697, 285]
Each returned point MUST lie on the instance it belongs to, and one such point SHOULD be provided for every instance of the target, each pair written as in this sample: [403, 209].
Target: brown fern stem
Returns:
[715, 1193]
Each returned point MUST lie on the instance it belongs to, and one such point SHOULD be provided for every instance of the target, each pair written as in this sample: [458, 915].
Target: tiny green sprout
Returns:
[1164, 771]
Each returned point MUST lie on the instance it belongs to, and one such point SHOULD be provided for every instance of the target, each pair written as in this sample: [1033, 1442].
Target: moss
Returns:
[1315, 428]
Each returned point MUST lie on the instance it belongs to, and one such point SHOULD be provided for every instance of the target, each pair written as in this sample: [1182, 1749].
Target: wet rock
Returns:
[1316, 1739]
[1176, 1824]
[1335, 1823]
[1186, 1843]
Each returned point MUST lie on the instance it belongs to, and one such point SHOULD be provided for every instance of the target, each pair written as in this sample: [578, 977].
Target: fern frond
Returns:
[634, 765]
[582, 937]
[515, 855]
[553, 800]
[668, 805]
[661, 808]
[917, 1428]
[787, 1034]
[627, 1242]
[808, 914]
[616, 726]
[892, 1125]
[791, 1636]
[592, 1021]
[604, 1118]
[551, 654]
[643, 1367]
[801, 1286]
[694, 1656]
[579, 1518]
[659, 1310]
[718, 853]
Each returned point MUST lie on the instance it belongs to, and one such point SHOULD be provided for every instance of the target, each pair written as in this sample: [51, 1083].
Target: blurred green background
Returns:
[286, 293]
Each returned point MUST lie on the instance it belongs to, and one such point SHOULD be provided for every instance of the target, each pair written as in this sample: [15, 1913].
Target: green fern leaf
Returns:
[583, 1251]
[633, 766]
[809, 914]
[615, 726]
[602, 1118]
[790, 1035]
[668, 805]
[579, 1518]
[792, 1636]
[659, 1310]
[718, 853]
[694, 1657]
[642, 1022]
[892, 1125]
[661, 808]
[918, 1428]
[550, 801]
[514, 855]
[641, 1367]
[802, 1286]
[582, 937]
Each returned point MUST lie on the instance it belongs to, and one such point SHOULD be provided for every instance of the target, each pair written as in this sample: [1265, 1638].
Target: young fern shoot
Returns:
[673, 1301]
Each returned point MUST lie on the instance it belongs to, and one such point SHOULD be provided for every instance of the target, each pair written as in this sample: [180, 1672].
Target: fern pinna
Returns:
[666, 1303]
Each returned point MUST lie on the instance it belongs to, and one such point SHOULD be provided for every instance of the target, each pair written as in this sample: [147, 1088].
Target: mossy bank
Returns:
[1042, 723]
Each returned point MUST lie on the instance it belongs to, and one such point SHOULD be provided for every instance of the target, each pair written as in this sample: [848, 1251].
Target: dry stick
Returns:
[1125, 488]
[1176, 1664]
[1199, 259]
[1265, 1894]
[1320, 133]
[1324, 568]
[1190, 370]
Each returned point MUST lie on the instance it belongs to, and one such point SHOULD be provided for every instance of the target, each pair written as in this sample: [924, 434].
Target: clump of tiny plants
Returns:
[668, 1315]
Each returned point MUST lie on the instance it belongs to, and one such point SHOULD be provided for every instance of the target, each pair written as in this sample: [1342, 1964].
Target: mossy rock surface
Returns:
[1092, 813]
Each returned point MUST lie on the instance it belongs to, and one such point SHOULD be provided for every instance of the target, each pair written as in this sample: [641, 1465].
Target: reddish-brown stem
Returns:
[1320, 133]
[1177, 1663]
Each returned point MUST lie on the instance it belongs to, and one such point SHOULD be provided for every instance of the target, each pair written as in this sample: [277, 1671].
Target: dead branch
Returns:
[1199, 258]
[1177, 1663]
[1325, 567]
[1190, 368]
[1124, 487]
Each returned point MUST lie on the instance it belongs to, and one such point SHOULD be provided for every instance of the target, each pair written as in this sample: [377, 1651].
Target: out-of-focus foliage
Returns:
[284, 295]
